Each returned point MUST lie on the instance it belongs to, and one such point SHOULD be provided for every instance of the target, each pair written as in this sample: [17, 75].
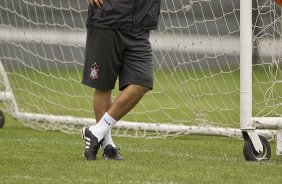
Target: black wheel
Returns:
[251, 154]
[2, 119]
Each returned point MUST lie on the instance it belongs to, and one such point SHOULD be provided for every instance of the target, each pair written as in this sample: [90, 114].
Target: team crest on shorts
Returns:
[94, 73]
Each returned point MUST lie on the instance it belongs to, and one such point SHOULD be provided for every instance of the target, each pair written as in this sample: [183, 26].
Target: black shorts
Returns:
[112, 54]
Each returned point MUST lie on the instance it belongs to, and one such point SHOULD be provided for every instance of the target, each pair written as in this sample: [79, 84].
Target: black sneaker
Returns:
[111, 153]
[91, 144]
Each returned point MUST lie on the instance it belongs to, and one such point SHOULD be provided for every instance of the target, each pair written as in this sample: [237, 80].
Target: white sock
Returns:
[108, 139]
[102, 127]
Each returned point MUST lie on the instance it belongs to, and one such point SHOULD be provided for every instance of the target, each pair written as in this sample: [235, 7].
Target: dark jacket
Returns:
[125, 14]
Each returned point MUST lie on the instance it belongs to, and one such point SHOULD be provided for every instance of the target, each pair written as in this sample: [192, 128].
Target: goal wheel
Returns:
[251, 154]
[2, 119]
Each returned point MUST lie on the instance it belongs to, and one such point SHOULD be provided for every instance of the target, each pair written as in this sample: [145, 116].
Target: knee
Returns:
[141, 90]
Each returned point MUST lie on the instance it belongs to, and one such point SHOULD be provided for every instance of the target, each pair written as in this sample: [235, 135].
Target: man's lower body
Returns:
[111, 55]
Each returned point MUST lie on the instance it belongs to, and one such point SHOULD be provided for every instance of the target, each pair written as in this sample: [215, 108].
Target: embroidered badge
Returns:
[94, 74]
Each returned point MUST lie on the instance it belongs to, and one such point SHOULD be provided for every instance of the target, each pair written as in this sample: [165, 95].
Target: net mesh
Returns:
[196, 57]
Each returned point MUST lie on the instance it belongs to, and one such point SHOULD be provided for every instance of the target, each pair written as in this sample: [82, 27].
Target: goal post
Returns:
[248, 123]
[197, 66]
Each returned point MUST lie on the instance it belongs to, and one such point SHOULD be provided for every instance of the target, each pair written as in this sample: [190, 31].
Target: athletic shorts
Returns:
[112, 54]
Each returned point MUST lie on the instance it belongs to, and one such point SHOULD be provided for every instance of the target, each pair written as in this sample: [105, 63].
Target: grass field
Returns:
[30, 156]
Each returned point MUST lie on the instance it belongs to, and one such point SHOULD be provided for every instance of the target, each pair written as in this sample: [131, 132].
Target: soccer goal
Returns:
[217, 70]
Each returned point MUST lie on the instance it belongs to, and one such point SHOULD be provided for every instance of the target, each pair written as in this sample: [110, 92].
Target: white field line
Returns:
[214, 45]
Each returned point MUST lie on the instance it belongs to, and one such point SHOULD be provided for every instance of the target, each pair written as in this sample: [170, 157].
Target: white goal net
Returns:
[196, 56]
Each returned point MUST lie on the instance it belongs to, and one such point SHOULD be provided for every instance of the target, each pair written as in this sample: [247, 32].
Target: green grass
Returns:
[179, 96]
[28, 156]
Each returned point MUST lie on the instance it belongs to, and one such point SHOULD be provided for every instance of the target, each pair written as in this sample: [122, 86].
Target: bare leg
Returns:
[126, 100]
[102, 101]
